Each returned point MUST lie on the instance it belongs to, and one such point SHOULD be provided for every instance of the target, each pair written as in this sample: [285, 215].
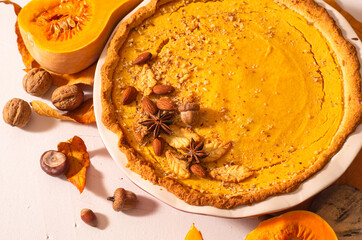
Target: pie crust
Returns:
[193, 192]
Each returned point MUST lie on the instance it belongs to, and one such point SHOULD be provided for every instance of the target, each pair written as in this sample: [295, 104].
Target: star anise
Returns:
[158, 123]
[194, 153]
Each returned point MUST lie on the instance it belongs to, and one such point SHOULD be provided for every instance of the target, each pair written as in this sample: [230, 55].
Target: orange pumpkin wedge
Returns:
[67, 36]
[194, 234]
[295, 225]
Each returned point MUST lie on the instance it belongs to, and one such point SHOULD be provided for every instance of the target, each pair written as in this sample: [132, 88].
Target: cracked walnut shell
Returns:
[17, 112]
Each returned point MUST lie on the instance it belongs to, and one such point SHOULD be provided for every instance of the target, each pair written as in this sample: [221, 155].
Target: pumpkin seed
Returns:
[71, 22]
[57, 31]
[64, 25]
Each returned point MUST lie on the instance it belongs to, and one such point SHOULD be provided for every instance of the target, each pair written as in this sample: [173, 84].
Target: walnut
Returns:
[17, 112]
[37, 82]
[67, 97]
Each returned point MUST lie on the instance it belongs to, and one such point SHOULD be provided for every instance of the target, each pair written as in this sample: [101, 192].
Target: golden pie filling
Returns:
[269, 87]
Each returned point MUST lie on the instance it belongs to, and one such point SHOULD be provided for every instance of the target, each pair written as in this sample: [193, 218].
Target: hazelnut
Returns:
[123, 200]
[37, 82]
[88, 216]
[54, 163]
[17, 112]
[67, 97]
[189, 113]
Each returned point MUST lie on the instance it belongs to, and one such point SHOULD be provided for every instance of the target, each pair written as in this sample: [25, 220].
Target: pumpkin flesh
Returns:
[295, 225]
[68, 36]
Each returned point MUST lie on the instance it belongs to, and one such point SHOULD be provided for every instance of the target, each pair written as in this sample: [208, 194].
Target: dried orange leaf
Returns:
[78, 159]
[28, 60]
[17, 8]
[85, 77]
[194, 234]
[83, 114]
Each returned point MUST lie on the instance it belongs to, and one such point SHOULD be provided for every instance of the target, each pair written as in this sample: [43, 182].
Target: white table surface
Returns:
[34, 205]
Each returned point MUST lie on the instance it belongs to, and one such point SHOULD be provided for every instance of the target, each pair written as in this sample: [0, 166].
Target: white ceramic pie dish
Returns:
[330, 173]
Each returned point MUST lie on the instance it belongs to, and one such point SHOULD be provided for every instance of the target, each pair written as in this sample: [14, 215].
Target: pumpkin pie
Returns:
[228, 102]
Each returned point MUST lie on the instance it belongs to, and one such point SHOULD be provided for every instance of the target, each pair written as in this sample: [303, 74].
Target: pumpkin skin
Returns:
[67, 36]
[295, 225]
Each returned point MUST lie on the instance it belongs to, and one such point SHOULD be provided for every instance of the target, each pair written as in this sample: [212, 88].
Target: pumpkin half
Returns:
[295, 225]
[67, 36]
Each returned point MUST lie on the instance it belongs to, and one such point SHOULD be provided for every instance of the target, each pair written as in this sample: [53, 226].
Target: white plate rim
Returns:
[329, 174]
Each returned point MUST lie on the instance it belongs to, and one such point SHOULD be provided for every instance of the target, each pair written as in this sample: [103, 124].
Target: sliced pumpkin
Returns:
[194, 234]
[67, 36]
[295, 225]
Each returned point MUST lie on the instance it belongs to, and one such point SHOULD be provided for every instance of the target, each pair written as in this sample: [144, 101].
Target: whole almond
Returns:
[163, 89]
[149, 106]
[198, 170]
[158, 145]
[143, 58]
[165, 104]
[129, 95]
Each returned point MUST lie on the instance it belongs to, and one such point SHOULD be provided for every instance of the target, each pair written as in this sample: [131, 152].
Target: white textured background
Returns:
[34, 205]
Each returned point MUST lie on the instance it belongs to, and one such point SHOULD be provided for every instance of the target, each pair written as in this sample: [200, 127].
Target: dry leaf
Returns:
[28, 60]
[83, 114]
[17, 8]
[85, 77]
[78, 159]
